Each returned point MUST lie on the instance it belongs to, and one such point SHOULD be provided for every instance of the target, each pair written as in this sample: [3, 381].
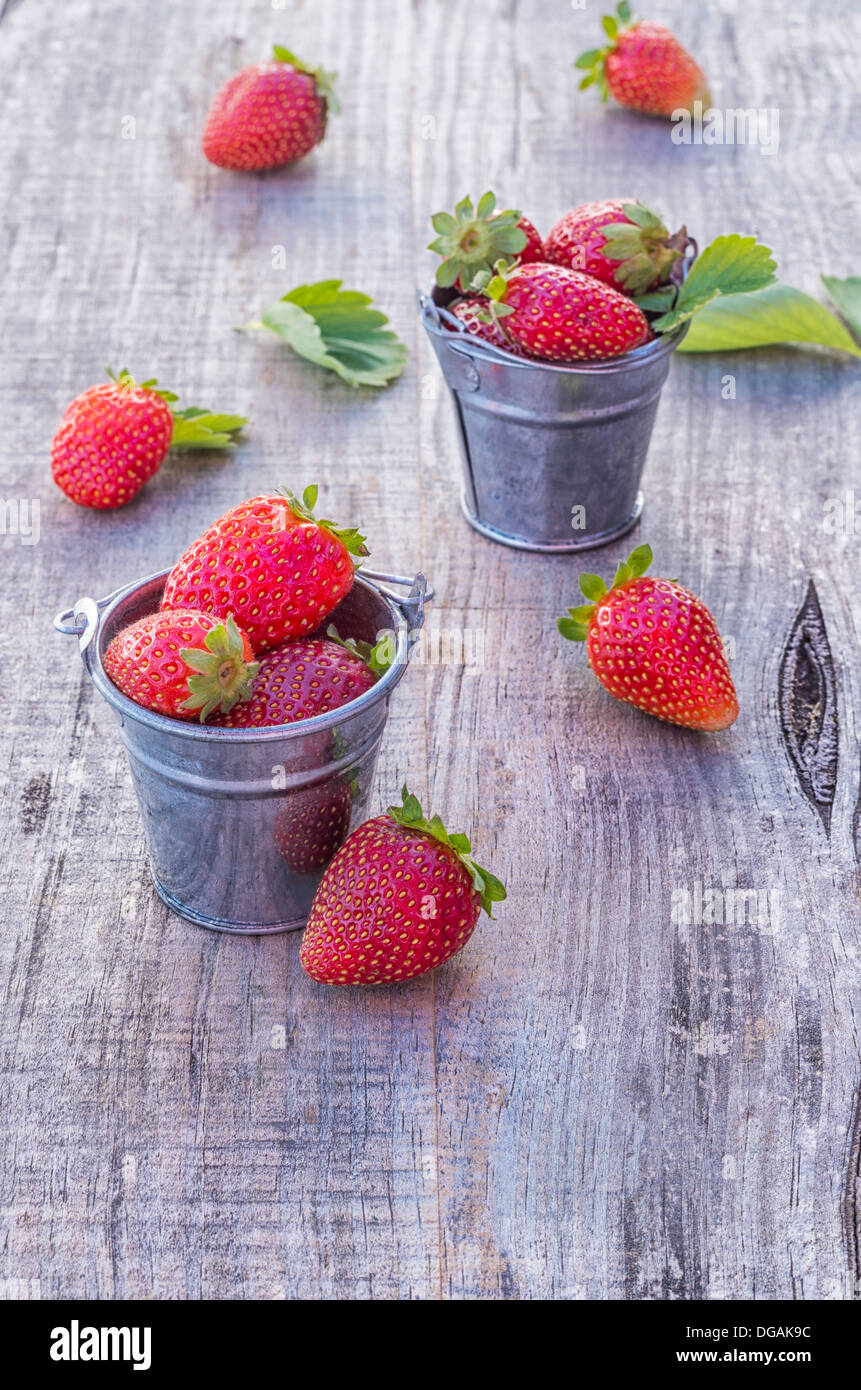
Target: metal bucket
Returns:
[552, 455]
[214, 802]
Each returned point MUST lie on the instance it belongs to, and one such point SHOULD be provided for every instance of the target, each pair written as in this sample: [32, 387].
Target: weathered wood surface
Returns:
[594, 1100]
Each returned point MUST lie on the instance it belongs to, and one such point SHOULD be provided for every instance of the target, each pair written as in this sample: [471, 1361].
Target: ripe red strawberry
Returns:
[491, 330]
[111, 441]
[269, 114]
[565, 316]
[643, 67]
[399, 898]
[313, 824]
[618, 241]
[272, 564]
[183, 663]
[300, 679]
[475, 239]
[653, 644]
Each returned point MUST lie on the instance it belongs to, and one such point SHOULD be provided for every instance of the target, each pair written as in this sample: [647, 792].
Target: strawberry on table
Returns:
[475, 239]
[399, 898]
[269, 114]
[655, 645]
[643, 67]
[564, 315]
[618, 241]
[115, 436]
[111, 441]
[272, 564]
[183, 663]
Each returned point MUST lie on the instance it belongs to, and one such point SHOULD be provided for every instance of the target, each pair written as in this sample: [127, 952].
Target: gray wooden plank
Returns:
[594, 1100]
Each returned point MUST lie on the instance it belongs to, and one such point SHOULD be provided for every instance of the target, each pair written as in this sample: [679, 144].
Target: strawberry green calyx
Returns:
[325, 80]
[576, 626]
[594, 59]
[224, 676]
[349, 535]
[491, 286]
[194, 427]
[474, 239]
[126, 381]
[377, 656]
[411, 817]
[645, 251]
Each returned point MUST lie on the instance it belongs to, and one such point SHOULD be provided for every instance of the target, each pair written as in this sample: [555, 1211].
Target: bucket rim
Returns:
[402, 624]
[467, 343]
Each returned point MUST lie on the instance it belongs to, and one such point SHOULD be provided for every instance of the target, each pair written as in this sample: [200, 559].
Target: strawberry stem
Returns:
[223, 675]
[349, 535]
[411, 817]
[325, 80]
[575, 626]
[473, 239]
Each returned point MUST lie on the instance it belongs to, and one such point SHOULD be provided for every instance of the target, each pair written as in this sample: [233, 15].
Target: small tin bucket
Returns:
[552, 455]
[240, 823]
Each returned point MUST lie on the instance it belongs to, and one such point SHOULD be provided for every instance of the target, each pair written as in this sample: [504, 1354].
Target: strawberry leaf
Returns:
[196, 428]
[337, 329]
[729, 265]
[574, 631]
[847, 296]
[776, 314]
[377, 656]
[592, 587]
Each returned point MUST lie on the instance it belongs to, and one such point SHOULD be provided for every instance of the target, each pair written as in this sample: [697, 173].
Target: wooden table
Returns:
[597, 1099]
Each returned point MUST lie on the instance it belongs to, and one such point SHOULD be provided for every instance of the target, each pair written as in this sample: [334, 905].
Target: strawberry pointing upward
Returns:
[399, 898]
[183, 663]
[653, 644]
[475, 239]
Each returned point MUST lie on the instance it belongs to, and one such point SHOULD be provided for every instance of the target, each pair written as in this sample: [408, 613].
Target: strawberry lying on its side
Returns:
[111, 441]
[653, 644]
[644, 67]
[269, 114]
[563, 315]
[114, 437]
[299, 680]
[182, 663]
[399, 898]
[475, 239]
[618, 241]
[272, 564]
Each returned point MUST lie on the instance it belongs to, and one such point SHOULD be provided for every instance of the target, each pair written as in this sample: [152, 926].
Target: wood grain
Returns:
[641, 1081]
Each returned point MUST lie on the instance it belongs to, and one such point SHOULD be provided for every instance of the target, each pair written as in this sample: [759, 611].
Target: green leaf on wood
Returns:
[196, 428]
[776, 314]
[847, 296]
[338, 329]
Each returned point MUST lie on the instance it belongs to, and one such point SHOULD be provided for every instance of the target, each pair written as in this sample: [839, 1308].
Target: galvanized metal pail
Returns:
[552, 455]
[221, 808]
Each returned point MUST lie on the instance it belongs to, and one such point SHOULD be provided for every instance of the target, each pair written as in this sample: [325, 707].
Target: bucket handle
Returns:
[82, 621]
[413, 606]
